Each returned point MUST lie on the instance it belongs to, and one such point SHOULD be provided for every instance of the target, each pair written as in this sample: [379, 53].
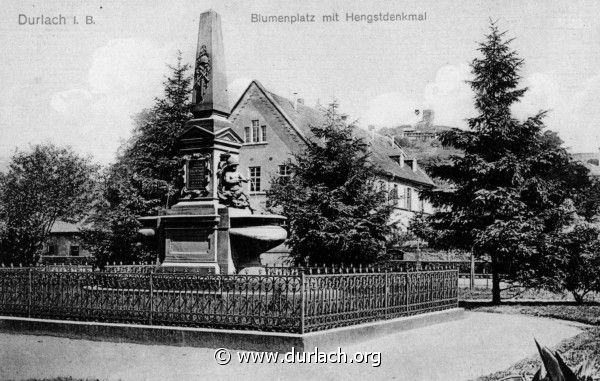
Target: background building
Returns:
[64, 244]
[274, 128]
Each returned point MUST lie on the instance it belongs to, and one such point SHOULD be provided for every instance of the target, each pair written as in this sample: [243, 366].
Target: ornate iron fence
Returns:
[335, 300]
[286, 302]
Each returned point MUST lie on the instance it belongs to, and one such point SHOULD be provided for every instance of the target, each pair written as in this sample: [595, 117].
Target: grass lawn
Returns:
[518, 293]
[574, 350]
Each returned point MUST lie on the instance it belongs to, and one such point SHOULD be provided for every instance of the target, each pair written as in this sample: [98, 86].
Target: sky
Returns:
[81, 84]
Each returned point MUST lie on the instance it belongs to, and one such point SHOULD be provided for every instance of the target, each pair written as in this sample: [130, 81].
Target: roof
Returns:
[384, 149]
[300, 118]
[62, 227]
[303, 117]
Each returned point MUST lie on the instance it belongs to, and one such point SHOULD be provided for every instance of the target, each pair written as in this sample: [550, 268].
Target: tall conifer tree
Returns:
[336, 213]
[509, 179]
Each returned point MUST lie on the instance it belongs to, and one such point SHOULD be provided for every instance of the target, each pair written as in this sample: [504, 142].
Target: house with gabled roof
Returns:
[273, 128]
[64, 244]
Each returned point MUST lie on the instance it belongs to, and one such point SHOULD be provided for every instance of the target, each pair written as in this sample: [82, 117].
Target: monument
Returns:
[212, 227]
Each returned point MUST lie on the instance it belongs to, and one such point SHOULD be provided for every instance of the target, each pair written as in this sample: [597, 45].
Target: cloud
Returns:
[573, 113]
[578, 117]
[70, 100]
[450, 96]
[543, 93]
[124, 77]
[390, 109]
[572, 110]
[128, 65]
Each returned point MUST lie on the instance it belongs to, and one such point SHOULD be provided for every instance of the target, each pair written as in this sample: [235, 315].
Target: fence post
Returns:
[387, 286]
[406, 290]
[472, 272]
[29, 295]
[151, 297]
[455, 286]
[302, 301]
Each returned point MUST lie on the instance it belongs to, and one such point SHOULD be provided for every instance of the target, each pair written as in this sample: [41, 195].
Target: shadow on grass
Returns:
[470, 304]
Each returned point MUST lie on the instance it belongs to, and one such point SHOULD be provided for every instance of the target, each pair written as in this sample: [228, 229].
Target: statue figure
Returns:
[230, 188]
[201, 73]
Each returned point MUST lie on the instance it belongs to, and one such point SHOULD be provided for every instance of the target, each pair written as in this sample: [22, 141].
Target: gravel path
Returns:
[481, 343]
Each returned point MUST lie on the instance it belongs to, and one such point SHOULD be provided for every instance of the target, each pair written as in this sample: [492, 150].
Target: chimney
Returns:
[414, 164]
[401, 161]
[295, 101]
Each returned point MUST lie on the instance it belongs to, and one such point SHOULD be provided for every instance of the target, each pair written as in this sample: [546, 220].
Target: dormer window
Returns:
[256, 133]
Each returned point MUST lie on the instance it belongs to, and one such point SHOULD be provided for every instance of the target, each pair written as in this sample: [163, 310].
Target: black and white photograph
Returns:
[300, 190]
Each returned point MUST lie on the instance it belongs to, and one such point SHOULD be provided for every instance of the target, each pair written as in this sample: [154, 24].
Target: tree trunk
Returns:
[495, 281]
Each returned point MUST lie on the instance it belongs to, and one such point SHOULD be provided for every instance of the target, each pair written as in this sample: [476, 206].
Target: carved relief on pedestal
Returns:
[197, 175]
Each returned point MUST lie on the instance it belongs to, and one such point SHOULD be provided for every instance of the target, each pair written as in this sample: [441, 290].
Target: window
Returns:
[421, 205]
[74, 250]
[408, 199]
[285, 172]
[51, 250]
[254, 179]
[263, 133]
[255, 131]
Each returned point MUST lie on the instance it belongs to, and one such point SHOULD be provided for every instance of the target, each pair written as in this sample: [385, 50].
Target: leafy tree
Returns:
[336, 213]
[509, 179]
[571, 255]
[41, 186]
[145, 177]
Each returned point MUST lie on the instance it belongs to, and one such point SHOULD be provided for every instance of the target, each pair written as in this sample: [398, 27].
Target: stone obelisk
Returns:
[204, 231]
[210, 82]
[208, 136]
[194, 233]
